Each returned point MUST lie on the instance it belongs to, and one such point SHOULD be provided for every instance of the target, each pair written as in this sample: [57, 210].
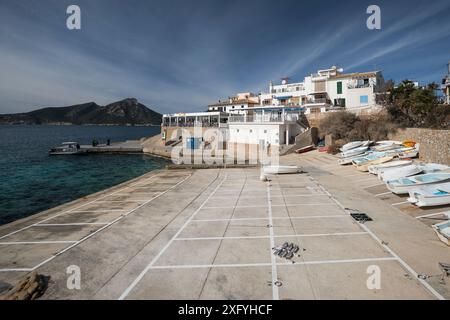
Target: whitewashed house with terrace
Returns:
[326, 90]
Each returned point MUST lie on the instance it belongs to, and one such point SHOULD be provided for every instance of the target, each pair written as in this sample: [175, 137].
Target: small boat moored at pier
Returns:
[67, 148]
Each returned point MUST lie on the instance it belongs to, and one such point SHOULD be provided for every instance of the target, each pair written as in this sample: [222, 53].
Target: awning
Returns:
[283, 98]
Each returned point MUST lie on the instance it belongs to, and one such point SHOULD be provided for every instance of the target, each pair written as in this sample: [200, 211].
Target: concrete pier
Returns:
[209, 234]
[129, 146]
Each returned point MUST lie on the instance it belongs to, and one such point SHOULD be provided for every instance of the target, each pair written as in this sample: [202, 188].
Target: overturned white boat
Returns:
[354, 144]
[367, 158]
[404, 185]
[354, 152]
[443, 231]
[349, 160]
[408, 154]
[375, 169]
[433, 167]
[431, 195]
[281, 169]
[387, 142]
[365, 166]
[397, 173]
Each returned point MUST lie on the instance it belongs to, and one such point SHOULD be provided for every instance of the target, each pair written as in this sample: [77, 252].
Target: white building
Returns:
[237, 104]
[327, 89]
[265, 126]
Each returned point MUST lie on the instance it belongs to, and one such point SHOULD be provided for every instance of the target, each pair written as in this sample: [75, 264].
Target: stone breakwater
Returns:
[434, 144]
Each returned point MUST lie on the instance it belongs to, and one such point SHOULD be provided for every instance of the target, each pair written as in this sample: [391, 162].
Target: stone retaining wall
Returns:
[434, 144]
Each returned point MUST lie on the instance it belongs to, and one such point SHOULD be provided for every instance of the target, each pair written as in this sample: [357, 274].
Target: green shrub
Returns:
[415, 107]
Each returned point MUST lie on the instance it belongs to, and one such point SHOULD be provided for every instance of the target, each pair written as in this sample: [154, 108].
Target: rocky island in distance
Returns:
[124, 112]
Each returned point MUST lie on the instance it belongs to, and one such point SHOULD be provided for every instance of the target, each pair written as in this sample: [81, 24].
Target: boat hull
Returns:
[375, 169]
[79, 152]
[406, 185]
[365, 167]
[353, 152]
[443, 231]
[397, 173]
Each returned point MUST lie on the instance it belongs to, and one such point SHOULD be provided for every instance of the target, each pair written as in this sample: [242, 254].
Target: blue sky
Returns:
[181, 55]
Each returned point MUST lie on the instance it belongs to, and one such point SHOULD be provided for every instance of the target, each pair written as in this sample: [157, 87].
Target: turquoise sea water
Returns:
[32, 181]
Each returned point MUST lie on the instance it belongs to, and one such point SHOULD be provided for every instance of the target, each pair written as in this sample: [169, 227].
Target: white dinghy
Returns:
[375, 169]
[366, 159]
[349, 160]
[351, 145]
[281, 169]
[433, 167]
[354, 152]
[387, 145]
[397, 173]
[355, 144]
[404, 185]
[388, 142]
[432, 195]
[443, 231]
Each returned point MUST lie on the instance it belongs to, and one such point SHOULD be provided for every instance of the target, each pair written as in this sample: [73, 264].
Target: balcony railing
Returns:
[358, 86]
[267, 118]
[318, 100]
[191, 124]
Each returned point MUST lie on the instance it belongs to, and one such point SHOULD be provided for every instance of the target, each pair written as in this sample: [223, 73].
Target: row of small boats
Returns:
[427, 184]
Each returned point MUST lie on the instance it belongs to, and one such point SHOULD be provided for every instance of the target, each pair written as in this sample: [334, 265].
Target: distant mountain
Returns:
[125, 112]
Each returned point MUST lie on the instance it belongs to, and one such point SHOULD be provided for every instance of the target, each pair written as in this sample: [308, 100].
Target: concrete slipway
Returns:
[208, 234]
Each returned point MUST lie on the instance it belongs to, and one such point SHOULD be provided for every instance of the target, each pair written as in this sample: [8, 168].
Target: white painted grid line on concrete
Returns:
[404, 264]
[36, 242]
[354, 175]
[139, 193]
[274, 205]
[364, 180]
[160, 253]
[432, 214]
[383, 194]
[274, 218]
[16, 270]
[103, 210]
[275, 236]
[387, 248]
[399, 203]
[69, 224]
[302, 195]
[375, 185]
[120, 201]
[267, 264]
[275, 294]
[246, 190]
[70, 210]
[109, 224]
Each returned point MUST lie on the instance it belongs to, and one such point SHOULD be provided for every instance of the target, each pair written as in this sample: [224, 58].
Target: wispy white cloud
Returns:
[186, 58]
[417, 37]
